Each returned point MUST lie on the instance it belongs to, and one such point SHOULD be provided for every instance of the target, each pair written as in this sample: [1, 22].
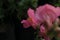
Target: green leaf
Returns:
[51, 33]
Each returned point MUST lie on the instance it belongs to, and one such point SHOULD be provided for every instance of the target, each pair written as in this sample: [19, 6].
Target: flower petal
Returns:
[42, 29]
[58, 9]
[46, 9]
[25, 23]
[32, 16]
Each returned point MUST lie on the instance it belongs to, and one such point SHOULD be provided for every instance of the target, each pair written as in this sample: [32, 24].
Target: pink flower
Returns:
[46, 13]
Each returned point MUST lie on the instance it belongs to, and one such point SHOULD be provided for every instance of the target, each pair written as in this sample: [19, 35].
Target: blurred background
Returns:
[11, 14]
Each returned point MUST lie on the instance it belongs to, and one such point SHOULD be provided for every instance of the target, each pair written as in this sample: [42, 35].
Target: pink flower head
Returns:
[47, 13]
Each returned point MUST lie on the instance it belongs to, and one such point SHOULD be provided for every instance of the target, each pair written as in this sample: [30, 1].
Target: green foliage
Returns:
[24, 5]
[57, 3]
[1, 10]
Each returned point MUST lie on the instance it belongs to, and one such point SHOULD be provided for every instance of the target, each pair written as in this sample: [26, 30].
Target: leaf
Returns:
[51, 33]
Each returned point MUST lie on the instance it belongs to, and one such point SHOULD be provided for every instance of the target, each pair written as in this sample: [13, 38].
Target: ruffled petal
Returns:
[25, 23]
[32, 15]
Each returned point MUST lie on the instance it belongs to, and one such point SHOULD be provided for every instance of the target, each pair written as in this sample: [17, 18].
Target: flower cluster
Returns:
[45, 17]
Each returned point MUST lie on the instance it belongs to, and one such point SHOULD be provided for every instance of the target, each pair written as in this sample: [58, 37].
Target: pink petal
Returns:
[42, 29]
[46, 9]
[58, 9]
[43, 32]
[32, 16]
[25, 23]
[48, 22]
